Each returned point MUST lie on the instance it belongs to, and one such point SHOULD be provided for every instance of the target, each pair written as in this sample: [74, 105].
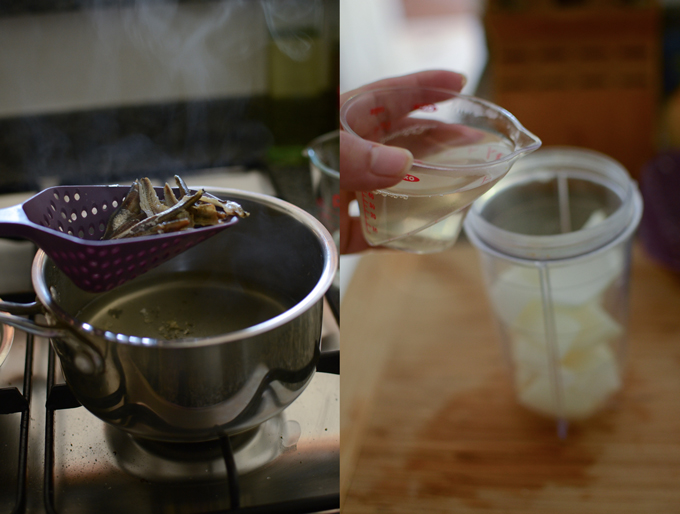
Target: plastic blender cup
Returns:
[554, 239]
[461, 147]
[324, 162]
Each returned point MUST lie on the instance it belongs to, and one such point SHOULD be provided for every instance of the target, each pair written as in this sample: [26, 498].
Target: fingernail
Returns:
[389, 161]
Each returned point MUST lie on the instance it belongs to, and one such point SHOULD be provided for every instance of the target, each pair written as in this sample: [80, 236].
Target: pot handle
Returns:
[10, 313]
[86, 358]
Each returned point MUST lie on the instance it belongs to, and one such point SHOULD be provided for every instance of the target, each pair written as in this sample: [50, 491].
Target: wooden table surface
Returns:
[429, 422]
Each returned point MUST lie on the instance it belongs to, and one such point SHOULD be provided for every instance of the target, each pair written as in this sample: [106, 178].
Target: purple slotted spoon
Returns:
[67, 222]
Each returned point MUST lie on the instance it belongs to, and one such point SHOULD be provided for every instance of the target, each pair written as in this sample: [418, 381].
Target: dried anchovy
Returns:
[142, 213]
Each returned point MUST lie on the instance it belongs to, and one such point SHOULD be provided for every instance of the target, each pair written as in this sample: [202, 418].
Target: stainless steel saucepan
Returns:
[214, 341]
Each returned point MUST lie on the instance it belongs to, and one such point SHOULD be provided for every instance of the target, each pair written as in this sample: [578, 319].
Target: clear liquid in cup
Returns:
[424, 212]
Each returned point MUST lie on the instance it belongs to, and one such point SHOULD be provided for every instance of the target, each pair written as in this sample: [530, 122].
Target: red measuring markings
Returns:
[427, 107]
[384, 125]
[377, 110]
[492, 154]
[369, 211]
[335, 201]
[411, 178]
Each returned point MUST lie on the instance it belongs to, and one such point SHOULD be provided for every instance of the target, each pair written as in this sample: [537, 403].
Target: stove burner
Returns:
[160, 461]
[181, 452]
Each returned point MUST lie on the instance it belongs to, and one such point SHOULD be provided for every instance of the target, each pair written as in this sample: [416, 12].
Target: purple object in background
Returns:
[660, 226]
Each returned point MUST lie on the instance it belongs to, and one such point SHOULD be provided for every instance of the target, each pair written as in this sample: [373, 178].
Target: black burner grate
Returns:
[12, 402]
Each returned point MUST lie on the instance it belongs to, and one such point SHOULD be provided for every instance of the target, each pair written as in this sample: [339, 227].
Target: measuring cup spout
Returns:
[526, 142]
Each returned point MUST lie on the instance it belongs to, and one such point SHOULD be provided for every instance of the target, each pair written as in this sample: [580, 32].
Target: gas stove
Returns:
[56, 457]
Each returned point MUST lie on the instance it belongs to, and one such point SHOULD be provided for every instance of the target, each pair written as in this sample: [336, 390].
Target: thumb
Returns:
[365, 165]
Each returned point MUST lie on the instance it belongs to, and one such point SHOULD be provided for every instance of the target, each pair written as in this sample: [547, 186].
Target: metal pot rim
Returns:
[325, 280]
[6, 340]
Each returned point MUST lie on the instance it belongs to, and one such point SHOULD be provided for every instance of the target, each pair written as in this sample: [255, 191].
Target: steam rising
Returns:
[111, 91]
[196, 50]
[289, 24]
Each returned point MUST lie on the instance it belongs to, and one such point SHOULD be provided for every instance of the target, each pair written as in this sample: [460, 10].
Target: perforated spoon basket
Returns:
[67, 223]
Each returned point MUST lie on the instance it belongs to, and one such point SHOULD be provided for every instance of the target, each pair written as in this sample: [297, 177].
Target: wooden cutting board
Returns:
[429, 422]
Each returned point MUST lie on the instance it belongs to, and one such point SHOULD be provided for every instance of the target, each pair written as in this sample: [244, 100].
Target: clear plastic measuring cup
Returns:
[461, 146]
[324, 162]
[554, 239]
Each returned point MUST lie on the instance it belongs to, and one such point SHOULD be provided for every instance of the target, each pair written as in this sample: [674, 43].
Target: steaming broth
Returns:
[183, 306]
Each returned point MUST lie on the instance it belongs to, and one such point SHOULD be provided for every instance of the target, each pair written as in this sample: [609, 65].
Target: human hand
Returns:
[366, 165]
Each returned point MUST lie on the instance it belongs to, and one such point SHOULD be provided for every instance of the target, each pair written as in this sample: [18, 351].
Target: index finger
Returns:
[366, 111]
[441, 79]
